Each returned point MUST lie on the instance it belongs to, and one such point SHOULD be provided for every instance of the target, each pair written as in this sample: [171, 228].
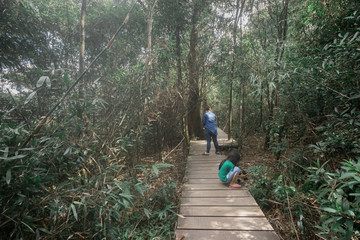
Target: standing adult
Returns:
[209, 121]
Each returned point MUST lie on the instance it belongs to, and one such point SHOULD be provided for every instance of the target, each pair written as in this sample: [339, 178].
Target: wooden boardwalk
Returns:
[210, 210]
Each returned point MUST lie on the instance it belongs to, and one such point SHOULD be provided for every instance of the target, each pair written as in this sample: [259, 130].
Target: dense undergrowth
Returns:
[313, 182]
[52, 191]
[83, 179]
[316, 187]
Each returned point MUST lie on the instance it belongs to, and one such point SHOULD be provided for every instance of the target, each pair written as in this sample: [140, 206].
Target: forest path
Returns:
[209, 209]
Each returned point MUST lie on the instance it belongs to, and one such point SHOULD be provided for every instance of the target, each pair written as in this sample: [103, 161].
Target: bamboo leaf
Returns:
[13, 158]
[8, 176]
[140, 188]
[42, 80]
[330, 210]
[31, 96]
[147, 213]
[68, 151]
[162, 165]
[48, 82]
[156, 170]
[74, 211]
[347, 175]
[44, 230]
[355, 194]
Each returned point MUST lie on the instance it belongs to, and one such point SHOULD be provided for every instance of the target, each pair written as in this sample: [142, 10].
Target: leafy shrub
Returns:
[338, 197]
[342, 135]
[261, 184]
[265, 185]
[57, 190]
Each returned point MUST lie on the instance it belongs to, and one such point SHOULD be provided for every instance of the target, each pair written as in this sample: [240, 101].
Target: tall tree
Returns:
[148, 8]
[82, 36]
[238, 15]
[82, 57]
[194, 102]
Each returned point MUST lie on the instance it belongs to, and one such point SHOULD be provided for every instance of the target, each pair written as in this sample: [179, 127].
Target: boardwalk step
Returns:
[216, 193]
[221, 211]
[225, 223]
[228, 201]
[225, 235]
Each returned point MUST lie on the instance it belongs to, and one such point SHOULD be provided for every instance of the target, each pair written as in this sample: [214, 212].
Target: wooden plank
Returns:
[205, 186]
[211, 157]
[204, 176]
[208, 163]
[219, 211]
[225, 235]
[210, 172]
[208, 186]
[204, 158]
[227, 201]
[225, 223]
[216, 193]
[203, 165]
[203, 180]
[203, 171]
[210, 181]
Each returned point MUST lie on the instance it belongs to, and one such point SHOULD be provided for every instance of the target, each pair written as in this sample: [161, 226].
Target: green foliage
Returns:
[48, 190]
[342, 134]
[265, 185]
[338, 197]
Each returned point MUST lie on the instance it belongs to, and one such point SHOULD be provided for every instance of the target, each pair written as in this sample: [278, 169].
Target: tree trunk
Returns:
[243, 110]
[261, 104]
[150, 15]
[194, 119]
[82, 37]
[178, 57]
[230, 111]
[238, 15]
[80, 107]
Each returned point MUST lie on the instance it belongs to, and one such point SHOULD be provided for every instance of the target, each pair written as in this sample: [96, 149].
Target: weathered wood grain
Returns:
[225, 223]
[206, 186]
[220, 211]
[225, 235]
[203, 180]
[228, 201]
[216, 193]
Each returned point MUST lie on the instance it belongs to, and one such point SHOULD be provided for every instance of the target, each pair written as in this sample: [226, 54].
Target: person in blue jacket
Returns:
[209, 122]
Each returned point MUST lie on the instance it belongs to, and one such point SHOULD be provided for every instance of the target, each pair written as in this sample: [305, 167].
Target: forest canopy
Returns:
[91, 90]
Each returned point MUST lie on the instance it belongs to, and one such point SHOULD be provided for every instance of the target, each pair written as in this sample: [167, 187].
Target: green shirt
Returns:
[225, 169]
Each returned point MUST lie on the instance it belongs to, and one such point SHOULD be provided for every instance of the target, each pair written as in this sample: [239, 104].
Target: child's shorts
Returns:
[230, 175]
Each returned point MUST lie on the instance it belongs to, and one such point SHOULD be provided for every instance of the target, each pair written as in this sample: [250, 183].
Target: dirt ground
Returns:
[254, 154]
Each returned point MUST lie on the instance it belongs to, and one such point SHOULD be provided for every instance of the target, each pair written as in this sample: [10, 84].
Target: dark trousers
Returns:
[209, 135]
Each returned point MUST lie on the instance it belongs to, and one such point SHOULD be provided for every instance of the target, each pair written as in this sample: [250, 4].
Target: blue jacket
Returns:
[209, 121]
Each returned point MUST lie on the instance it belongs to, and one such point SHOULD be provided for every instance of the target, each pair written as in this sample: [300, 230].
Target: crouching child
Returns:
[229, 172]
